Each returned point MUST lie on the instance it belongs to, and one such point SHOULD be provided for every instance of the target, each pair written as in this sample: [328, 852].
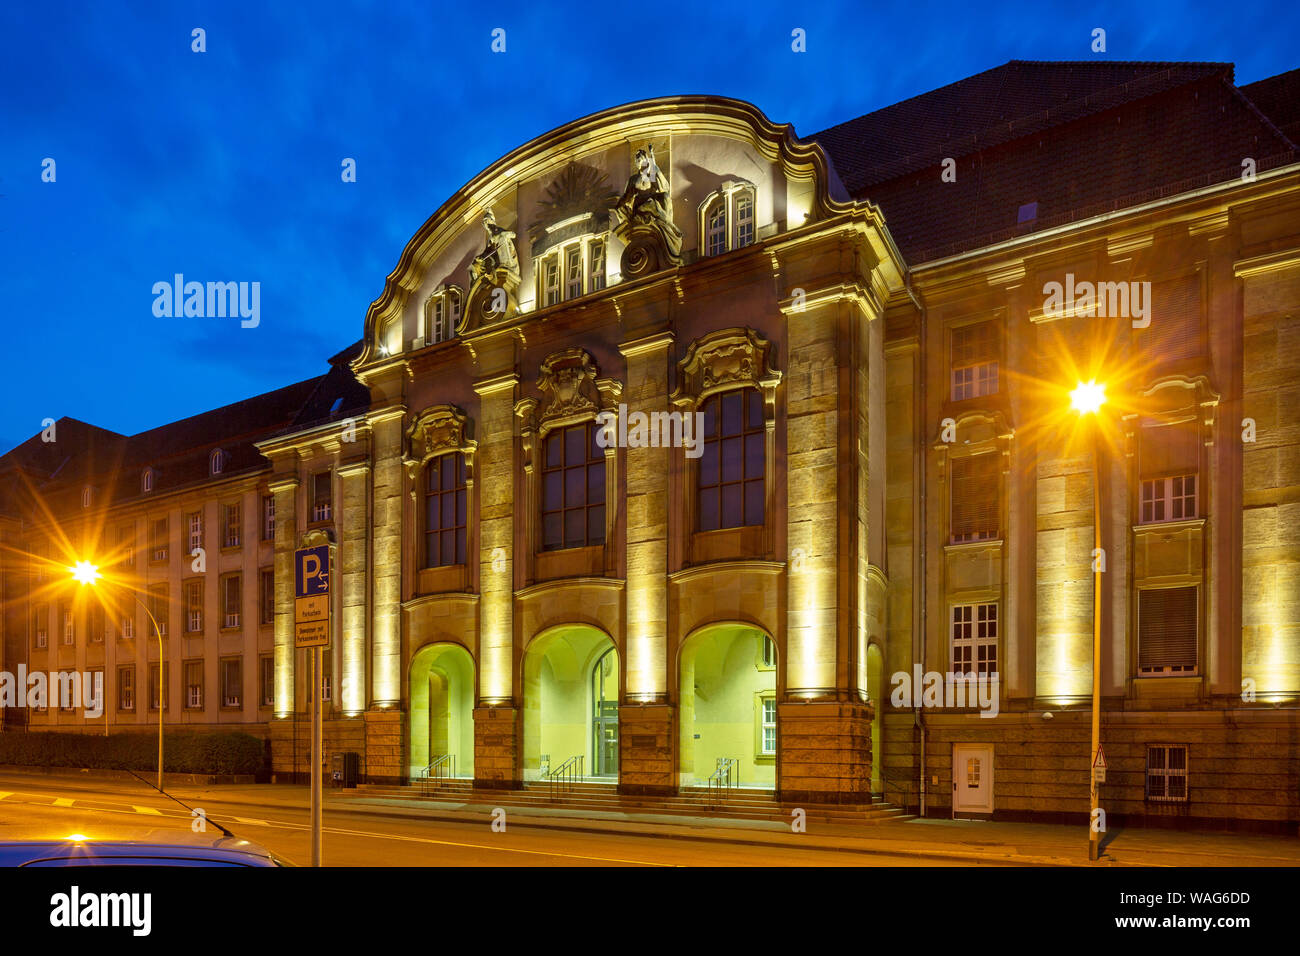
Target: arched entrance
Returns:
[727, 707]
[442, 708]
[570, 683]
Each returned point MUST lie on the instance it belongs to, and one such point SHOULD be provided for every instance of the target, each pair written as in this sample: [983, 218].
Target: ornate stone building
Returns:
[675, 442]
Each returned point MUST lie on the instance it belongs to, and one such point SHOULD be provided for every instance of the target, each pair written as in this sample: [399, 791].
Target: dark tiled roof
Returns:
[1278, 98]
[1078, 139]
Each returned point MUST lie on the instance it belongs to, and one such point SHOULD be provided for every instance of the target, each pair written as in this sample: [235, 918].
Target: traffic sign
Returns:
[1099, 766]
[311, 610]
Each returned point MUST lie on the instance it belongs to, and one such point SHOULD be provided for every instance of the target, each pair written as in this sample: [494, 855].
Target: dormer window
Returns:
[86, 496]
[728, 219]
[571, 270]
[146, 481]
[217, 462]
[441, 316]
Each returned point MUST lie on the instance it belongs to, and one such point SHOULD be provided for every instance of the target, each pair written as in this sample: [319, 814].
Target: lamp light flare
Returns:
[1088, 397]
[85, 572]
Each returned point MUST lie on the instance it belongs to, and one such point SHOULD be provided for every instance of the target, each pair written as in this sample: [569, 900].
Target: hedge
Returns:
[217, 753]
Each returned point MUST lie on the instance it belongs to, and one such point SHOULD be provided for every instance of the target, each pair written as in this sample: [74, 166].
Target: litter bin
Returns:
[351, 769]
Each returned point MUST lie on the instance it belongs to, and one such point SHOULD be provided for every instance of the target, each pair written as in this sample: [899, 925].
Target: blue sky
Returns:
[225, 165]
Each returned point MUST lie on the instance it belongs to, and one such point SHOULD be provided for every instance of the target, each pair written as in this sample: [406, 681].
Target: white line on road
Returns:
[6, 793]
[151, 810]
[63, 802]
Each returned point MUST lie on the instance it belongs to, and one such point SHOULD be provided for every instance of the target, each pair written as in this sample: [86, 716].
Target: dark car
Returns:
[78, 850]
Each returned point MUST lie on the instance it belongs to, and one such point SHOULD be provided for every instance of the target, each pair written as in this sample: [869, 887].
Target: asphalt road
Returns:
[31, 807]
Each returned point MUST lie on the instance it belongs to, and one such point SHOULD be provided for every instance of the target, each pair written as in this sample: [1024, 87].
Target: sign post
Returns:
[312, 630]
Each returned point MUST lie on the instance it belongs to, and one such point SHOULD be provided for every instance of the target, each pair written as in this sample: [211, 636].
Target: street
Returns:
[33, 806]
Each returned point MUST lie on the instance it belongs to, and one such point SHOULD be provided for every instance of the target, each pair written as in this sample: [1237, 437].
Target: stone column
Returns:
[386, 542]
[352, 574]
[646, 732]
[497, 745]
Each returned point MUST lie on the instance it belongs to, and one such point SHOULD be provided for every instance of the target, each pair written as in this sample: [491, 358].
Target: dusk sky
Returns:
[225, 165]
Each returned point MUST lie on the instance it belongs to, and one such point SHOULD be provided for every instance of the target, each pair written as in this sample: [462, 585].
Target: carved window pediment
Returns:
[730, 358]
[570, 389]
[437, 431]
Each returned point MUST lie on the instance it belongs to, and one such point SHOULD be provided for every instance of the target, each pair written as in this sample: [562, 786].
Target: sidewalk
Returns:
[940, 839]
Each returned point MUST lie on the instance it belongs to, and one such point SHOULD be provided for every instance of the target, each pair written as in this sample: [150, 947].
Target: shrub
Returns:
[183, 752]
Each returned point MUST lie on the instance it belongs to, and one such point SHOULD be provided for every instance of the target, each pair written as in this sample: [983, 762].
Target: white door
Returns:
[972, 778]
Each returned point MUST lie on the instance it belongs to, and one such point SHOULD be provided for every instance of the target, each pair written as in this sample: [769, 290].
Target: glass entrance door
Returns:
[604, 695]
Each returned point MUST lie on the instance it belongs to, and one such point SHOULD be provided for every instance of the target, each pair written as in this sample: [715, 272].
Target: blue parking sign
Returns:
[312, 571]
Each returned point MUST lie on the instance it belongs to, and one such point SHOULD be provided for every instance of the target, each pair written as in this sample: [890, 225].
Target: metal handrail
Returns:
[725, 777]
[442, 767]
[565, 775]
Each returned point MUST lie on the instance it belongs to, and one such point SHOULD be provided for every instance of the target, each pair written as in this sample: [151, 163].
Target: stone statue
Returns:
[642, 219]
[498, 255]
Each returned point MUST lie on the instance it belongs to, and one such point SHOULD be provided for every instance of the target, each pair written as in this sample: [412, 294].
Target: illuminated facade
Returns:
[675, 440]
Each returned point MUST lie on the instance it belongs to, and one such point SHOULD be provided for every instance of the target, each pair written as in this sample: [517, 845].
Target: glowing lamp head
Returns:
[1088, 398]
[85, 573]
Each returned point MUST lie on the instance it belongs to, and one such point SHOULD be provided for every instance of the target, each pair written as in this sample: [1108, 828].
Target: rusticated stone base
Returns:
[291, 746]
[385, 756]
[497, 764]
[824, 751]
[647, 749]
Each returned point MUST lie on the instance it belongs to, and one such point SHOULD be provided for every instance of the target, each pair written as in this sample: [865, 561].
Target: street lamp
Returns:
[85, 573]
[1087, 400]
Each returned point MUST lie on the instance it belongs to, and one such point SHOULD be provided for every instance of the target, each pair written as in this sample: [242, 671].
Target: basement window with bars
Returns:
[974, 639]
[976, 497]
[1169, 472]
[1167, 631]
[975, 350]
[1167, 774]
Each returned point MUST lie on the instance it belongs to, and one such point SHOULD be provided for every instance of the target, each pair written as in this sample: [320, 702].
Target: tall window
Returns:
[232, 682]
[126, 687]
[267, 667]
[126, 544]
[1167, 631]
[573, 488]
[573, 272]
[975, 351]
[42, 625]
[232, 598]
[975, 639]
[715, 232]
[551, 280]
[193, 684]
[69, 627]
[232, 520]
[268, 517]
[731, 483]
[322, 497]
[95, 623]
[266, 596]
[769, 725]
[976, 497]
[155, 688]
[158, 607]
[158, 540]
[194, 606]
[744, 220]
[195, 522]
[443, 316]
[596, 266]
[444, 511]
[1167, 774]
[1169, 465]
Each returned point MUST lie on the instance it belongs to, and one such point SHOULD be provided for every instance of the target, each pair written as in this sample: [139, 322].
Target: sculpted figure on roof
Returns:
[641, 219]
[499, 253]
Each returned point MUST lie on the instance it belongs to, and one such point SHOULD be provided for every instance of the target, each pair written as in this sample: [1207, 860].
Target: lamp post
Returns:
[1087, 400]
[86, 573]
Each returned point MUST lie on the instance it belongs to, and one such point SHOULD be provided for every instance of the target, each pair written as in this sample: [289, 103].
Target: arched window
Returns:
[217, 462]
[731, 484]
[86, 496]
[728, 219]
[573, 488]
[715, 235]
[442, 316]
[571, 270]
[444, 510]
[146, 481]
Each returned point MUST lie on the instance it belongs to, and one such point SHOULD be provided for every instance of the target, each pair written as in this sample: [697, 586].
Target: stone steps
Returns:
[605, 798]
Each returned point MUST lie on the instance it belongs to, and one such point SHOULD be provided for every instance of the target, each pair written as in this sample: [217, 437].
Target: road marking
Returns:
[6, 793]
[254, 823]
[63, 802]
[151, 810]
